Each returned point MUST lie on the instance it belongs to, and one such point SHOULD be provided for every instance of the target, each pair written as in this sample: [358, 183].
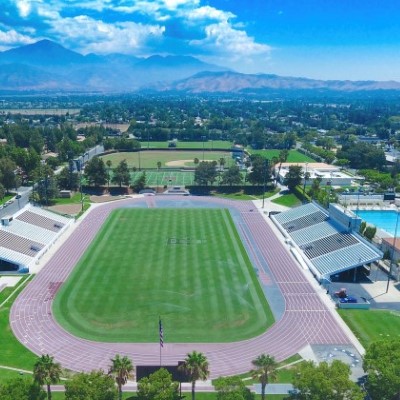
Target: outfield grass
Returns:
[208, 145]
[372, 325]
[166, 178]
[149, 159]
[186, 265]
[293, 157]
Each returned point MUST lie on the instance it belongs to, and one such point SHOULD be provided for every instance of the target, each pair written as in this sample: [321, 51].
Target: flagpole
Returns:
[161, 332]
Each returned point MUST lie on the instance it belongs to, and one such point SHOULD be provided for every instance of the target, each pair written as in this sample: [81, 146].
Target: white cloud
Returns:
[174, 4]
[11, 38]
[24, 7]
[222, 38]
[207, 12]
[92, 35]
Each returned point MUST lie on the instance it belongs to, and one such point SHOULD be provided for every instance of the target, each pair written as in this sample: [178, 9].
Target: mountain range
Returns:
[46, 66]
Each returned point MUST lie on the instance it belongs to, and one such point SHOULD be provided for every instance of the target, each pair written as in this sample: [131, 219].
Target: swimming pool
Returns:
[385, 220]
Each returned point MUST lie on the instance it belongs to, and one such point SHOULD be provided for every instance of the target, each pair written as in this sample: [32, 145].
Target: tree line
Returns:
[311, 381]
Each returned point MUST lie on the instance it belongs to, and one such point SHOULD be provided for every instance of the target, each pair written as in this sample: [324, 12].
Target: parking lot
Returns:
[371, 287]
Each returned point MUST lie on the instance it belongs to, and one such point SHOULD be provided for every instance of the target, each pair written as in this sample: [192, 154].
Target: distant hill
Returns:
[233, 82]
[48, 66]
[43, 53]
[68, 70]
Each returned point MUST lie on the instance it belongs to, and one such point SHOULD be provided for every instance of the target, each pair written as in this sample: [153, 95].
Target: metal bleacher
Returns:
[28, 234]
[313, 232]
[29, 231]
[305, 221]
[328, 244]
[327, 248]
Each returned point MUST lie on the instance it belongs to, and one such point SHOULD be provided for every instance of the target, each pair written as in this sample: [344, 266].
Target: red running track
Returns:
[306, 319]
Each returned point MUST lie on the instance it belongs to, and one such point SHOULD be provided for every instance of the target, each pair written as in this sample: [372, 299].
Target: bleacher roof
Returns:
[30, 232]
[326, 247]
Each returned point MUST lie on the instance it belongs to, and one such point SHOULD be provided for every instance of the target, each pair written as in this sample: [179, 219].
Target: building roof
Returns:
[29, 234]
[326, 248]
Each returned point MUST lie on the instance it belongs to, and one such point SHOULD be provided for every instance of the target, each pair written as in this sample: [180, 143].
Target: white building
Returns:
[329, 174]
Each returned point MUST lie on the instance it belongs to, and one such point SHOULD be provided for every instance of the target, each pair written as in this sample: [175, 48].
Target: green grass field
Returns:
[186, 265]
[13, 353]
[372, 325]
[169, 178]
[171, 158]
[208, 145]
[294, 155]
[287, 200]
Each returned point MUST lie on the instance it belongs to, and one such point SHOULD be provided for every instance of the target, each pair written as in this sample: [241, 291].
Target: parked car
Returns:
[341, 293]
[348, 299]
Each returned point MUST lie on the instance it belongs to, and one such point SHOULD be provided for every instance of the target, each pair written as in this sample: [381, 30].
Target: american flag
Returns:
[161, 333]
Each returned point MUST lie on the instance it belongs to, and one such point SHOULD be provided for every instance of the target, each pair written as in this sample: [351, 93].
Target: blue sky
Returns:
[327, 39]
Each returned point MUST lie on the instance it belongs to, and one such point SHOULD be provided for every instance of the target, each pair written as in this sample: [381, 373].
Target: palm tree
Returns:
[283, 156]
[122, 370]
[46, 372]
[265, 370]
[195, 366]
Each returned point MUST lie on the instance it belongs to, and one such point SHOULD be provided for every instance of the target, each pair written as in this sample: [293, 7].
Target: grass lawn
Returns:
[75, 199]
[6, 374]
[288, 200]
[372, 325]
[284, 373]
[7, 197]
[149, 159]
[13, 353]
[208, 145]
[186, 265]
[241, 195]
[294, 155]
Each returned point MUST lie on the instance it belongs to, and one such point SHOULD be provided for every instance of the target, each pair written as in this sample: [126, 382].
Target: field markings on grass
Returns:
[160, 252]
